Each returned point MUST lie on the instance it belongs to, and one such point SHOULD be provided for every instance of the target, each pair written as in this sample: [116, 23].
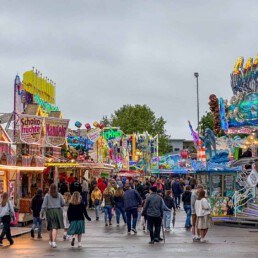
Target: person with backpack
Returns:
[35, 206]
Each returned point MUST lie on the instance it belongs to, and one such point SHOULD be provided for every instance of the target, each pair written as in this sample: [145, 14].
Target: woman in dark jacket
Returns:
[119, 205]
[186, 199]
[76, 213]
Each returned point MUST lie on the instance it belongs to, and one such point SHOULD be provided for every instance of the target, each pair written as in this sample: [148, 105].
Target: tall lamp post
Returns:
[196, 75]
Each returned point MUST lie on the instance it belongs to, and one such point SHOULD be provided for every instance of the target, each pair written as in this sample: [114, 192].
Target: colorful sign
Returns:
[30, 129]
[93, 134]
[112, 133]
[56, 131]
[45, 105]
[36, 85]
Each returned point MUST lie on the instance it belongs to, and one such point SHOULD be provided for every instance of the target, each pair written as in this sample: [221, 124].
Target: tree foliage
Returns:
[207, 121]
[140, 118]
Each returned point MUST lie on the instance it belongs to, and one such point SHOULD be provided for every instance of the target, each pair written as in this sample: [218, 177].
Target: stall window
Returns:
[229, 185]
[204, 181]
[216, 185]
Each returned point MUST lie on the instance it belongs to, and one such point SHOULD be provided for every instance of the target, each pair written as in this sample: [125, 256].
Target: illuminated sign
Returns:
[45, 105]
[112, 133]
[37, 85]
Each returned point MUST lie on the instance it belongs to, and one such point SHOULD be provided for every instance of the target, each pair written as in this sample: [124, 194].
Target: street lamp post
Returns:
[196, 75]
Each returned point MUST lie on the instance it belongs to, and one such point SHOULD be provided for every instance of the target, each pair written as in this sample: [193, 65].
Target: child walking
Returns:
[76, 213]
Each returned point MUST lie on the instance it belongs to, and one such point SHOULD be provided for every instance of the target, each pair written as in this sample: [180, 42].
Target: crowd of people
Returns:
[152, 199]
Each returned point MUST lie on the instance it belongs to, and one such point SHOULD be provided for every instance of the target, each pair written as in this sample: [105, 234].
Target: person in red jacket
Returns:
[101, 185]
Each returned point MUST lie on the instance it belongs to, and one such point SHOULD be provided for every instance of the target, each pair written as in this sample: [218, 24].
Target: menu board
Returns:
[216, 185]
[204, 181]
[229, 185]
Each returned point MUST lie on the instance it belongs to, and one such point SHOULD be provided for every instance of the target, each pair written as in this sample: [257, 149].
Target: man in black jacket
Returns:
[75, 186]
[153, 208]
[36, 204]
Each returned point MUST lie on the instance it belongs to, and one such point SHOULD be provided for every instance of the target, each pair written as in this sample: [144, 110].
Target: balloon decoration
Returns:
[96, 124]
[101, 125]
[88, 126]
[78, 124]
[214, 108]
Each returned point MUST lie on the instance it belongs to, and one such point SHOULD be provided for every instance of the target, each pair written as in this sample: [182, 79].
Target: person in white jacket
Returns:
[203, 210]
[6, 215]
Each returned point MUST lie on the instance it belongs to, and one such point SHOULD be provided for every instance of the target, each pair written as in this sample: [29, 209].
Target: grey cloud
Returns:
[103, 54]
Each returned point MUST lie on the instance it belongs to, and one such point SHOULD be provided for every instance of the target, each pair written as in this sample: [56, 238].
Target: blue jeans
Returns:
[6, 229]
[167, 219]
[84, 198]
[108, 212]
[119, 211]
[129, 213]
[177, 200]
[97, 210]
[187, 209]
[37, 220]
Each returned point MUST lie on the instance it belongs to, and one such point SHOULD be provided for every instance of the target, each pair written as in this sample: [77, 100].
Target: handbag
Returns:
[103, 203]
[11, 213]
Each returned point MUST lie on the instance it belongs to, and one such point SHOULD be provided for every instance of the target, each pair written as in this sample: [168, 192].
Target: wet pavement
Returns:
[112, 241]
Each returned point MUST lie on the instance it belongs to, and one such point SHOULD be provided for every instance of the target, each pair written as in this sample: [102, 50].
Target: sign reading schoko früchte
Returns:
[56, 131]
[30, 129]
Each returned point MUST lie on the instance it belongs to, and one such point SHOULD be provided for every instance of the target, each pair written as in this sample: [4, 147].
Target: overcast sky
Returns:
[103, 54]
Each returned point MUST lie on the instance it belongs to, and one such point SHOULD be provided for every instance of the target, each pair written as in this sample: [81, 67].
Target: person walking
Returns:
[75, 186]
[76, 213]
[85, 191]
[67, 199]
[62, 186]
[203, 210]
[192, 182]
[132, 201]
[153, 208]
[186, 199]
[6, 215]
[92, 185]
[195, 232]
[35, 206]
[96, 197]
[119, 204]
[177, 191]
[108, 200]
[52, 205]
[169, 202]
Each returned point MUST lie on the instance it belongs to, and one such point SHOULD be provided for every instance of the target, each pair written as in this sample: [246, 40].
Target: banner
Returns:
[93, 135]
[56, 131]
[30, 129]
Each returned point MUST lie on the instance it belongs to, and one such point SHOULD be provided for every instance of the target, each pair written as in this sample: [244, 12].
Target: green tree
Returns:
[140, 118]
[207, 121]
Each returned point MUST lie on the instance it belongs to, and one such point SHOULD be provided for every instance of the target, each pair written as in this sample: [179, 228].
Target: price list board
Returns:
[229, 185]
[204, 181]
[216, 185]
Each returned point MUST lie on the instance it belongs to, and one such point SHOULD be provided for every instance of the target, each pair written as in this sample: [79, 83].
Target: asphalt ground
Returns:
[113, 241]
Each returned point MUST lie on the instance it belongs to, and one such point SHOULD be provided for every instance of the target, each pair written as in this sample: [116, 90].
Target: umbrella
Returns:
[243, 161]
[174, 218]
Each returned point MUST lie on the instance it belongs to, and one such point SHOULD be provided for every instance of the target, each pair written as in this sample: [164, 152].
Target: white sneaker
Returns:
[79, 244]
[54, 245]
[50, 243]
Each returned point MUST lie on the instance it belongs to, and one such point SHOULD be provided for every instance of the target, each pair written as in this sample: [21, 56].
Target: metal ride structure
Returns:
[240, 116]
